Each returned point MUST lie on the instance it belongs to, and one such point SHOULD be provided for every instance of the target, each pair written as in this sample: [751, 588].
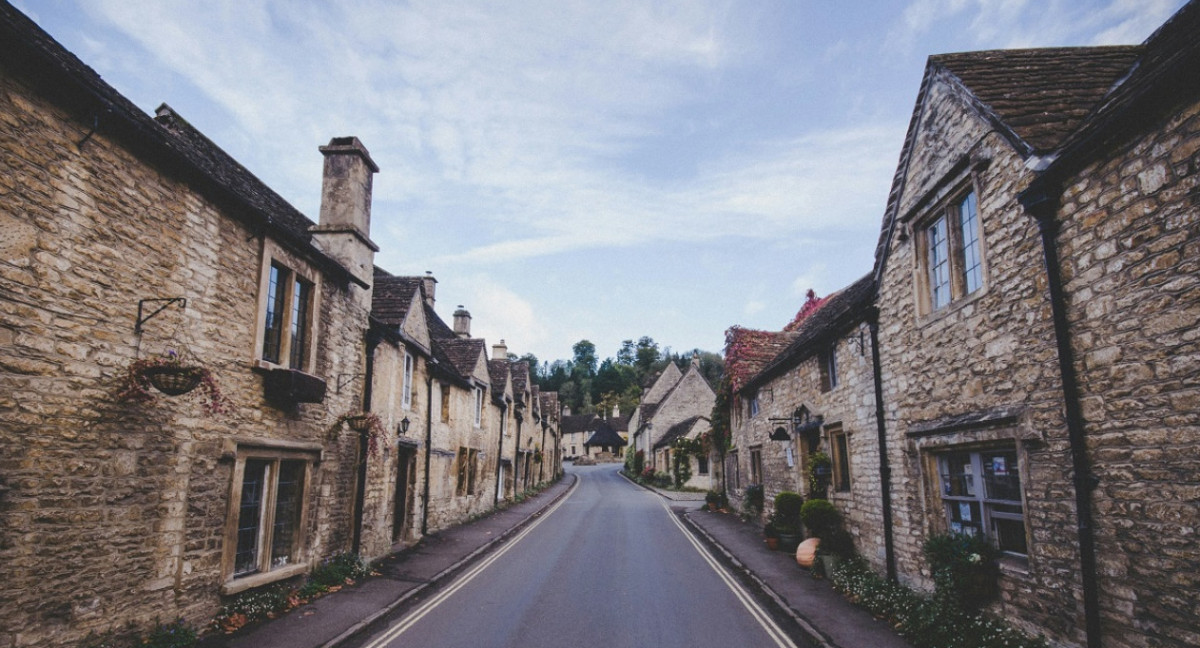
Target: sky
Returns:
[574, 170]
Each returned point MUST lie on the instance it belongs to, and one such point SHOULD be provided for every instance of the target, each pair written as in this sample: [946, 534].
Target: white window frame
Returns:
[406, 388]
[973, 498]
[478, 406]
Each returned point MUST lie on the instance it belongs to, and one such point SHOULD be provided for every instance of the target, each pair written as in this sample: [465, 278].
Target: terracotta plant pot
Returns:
[772, 543]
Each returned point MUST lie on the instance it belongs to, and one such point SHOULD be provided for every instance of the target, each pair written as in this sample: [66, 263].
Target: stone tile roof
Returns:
[576, 423]
[604, 436]
[1043, 95]
[520, 375]
[620, 423]
[461, 354]
[747, 351]
[167, 142]
[392, 297]
[676, 431]
[549, 401]
[498, 370]
[438, 329]
[839, 311]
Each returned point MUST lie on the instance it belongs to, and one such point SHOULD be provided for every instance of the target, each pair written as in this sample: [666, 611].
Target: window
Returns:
[445, 389]
[406, 388]
[468, 470]
[268, 506]
[829, 373]
[754, 405]
[756, 465]
[839, 443]
[478, 406]
[735, 469]
[982, 494]
[702, 465]
[286, 317]
[951, 253]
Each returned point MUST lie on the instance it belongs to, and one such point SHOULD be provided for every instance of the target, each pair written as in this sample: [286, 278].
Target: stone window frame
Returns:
[827, 360]
[445, 393]
[756, 465]
[274, 452]
[839, 455]
[990, 509]
[466, 470]
[1002, 428]
[294, 269]
[946, 209]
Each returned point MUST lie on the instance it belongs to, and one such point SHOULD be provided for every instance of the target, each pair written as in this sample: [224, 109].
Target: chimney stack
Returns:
[462, 322]
[430, 287]
[500, 351]
[344, 232]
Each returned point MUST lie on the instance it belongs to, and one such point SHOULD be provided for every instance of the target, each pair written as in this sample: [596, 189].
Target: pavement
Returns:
[822, 614]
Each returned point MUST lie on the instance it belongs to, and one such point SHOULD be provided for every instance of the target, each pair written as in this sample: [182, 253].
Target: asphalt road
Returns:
[608, 566]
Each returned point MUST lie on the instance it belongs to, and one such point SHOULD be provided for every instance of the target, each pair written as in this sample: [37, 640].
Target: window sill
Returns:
[1012, 564]
[924, 319]
[238, 585]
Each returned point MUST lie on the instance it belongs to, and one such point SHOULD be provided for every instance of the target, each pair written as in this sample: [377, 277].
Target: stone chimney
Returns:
[344, 232]
[430, 288]
[462, 322]
[500, 351]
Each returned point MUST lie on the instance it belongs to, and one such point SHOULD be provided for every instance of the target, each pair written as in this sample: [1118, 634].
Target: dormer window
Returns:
[406, 389]
[478, 406]
[286, 312]
[951, 253]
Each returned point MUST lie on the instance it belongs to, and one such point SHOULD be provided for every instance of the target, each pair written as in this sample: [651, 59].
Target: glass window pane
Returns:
[300, 297]
[965, 517]
[972, 259]
[250, 517]
[939, 263]
[958, 476]
[1001, 479]
[289, 496]
[272, 338]
[1010, 535]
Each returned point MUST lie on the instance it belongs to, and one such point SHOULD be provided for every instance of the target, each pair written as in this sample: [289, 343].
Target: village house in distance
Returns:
[331, 409]
[1023, 362]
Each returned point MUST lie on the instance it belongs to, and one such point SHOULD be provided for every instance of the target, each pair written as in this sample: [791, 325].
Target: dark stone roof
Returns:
[168, 142]
[1043, 95]
[392, 297]
[840, 311]
[520, 375]
[605, 436]
[438, 329]
[575, 423]
[549, 402]
[498, 370]
[620, 423]
[676, 431]
[461, 354]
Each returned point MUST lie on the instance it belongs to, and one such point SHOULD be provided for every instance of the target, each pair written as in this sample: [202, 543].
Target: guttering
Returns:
[885, 469]
[1040, 202]
[500, 452]
[428, 442]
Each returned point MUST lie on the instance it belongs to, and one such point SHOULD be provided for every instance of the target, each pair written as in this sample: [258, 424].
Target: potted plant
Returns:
[170, 374]
[713, 500]
[787, 519]
[771, 535]
[822, 520]
[752, 501]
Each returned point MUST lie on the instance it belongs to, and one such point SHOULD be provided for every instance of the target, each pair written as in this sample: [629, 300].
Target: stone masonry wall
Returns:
[1130, 245]
[115, 513]
[991, 350]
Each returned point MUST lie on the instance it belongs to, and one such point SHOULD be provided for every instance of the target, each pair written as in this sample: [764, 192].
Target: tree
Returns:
[584, 364]
[647, 353]
[628, 353]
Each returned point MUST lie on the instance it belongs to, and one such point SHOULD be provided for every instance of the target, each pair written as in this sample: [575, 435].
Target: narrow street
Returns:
[608, 566]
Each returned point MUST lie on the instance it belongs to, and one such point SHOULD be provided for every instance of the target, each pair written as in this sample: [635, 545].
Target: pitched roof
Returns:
[575, 423]
[460, 353]
[620, 423]
[520, 375]
[678, 430]
[549, 401]
[605, 436]
[747, 351]
[498, 370]
[392, 297]
[1042, 95]
[839, 310]
[167, 142]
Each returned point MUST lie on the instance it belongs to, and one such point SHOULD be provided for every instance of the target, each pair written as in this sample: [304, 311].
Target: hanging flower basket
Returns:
[360, 423]
[173, 381]
[366, 424]
[169, 375]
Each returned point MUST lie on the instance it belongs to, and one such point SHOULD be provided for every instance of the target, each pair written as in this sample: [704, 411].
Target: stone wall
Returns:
[1130, 244]
[112, 512]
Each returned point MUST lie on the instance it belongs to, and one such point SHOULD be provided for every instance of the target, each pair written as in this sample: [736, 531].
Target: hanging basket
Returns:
[359, 423]
[173, 381]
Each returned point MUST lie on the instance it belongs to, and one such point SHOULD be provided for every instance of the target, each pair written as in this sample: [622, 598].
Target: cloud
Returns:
[499, 313]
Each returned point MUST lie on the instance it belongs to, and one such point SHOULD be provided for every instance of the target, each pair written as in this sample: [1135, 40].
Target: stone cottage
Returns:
[673, 397]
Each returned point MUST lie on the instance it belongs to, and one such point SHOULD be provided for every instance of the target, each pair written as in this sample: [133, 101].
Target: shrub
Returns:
[176, 634]
[639, 462]
[820, 517]
[752, 501]
[963, 566]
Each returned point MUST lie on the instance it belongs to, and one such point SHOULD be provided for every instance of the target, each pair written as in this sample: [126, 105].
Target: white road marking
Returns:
[755, 610]
[416, 615]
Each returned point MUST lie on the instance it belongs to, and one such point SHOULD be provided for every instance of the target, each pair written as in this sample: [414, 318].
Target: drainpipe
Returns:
[500, 452]
[428, 444]
[1040, 203]
[517, 472]
[885, 468]
[372, 342]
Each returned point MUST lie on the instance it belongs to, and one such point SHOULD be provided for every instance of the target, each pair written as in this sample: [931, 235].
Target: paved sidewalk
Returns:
[824, 614]
[330, 620]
